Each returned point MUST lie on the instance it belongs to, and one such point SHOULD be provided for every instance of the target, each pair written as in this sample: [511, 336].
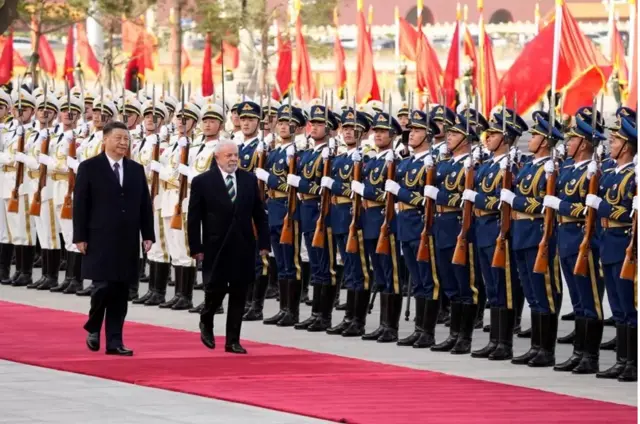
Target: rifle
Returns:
[582, 263]
[176, 219]
[325, 201]
[384, 245]
[14, 203]
[155, 152]
[500, 253]
[67, 206]
[352, 239]
[36, 203]
[628, 271]
[286, 237]
[541, 265]
[262, 151]
[423, 250]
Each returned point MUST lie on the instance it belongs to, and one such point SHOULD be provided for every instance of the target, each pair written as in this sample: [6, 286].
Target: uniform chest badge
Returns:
[281, 161]
[414, 171]
[528, 177]
[491, 175]
[346, 167]
[376, 170]
[572, 182]
[453, 174]
[246, 157]
[615, 186]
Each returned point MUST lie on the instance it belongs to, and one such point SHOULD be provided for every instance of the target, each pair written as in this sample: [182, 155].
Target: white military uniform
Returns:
[5, 100]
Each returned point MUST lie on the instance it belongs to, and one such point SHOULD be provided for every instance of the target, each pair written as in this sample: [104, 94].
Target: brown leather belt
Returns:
[405, 207]
[33, 174]
[8, 168]
[481, 212]
[609, 223]
[519, 216]
[367, 204]
[340, 200]
[447, 209]
[305, 197]
[58, 176]
[569, 220]
[275, 194]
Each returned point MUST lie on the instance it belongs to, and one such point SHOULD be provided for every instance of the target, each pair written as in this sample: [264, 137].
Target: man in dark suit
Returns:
[111, 209]
[224, 206]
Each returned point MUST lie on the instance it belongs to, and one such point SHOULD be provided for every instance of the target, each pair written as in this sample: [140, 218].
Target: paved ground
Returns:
[129, 398]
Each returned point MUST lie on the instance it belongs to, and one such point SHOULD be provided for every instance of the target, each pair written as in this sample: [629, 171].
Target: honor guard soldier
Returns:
[614, 205]
[356, 275]
[21, 225]
[290, 119]
[236, 131]
[308, 182]
[6, 248]
[543, 291]
[585, 291]
[5, 109]
[500, 284]
[408, 188]
[440, 138]
[459, 280]
[131, 112]
[145, 153]
[385, 266]
[60, 163]
[173, 202]
[104, 111]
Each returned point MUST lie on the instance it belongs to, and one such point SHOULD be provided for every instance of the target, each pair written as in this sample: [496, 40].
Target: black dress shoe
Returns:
[235, 348]
[93, 341]
[206, 337]
[120, 351]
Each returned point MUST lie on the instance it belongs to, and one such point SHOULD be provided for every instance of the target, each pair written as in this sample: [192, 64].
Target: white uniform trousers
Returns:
[178, 240]
[5, 234]
[66, 227]
[47, 226]
[22, 226]
[159, 251]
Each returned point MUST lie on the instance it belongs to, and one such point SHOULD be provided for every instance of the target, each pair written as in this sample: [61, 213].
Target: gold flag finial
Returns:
[370, 15]
[480, 5]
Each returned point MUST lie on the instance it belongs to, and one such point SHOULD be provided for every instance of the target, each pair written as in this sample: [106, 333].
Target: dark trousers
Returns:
[542, 291]
[357, 274]
[109, 302]
[422, 273]
[213, 298]
[621, 294]
[586, 292]
[459, 282]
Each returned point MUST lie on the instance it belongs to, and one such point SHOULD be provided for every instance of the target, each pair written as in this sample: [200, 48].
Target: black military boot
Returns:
[273, 286]
[621, 355]
[316, 301]
[306, 281]
[429, 320]
[292, 316]
[361, 308]
[610, 344]
[578, 347]
[630, 372]
[349, 314]
[394, 307]
[152, 283]
[178, 290]
[546, 356]
[17, 259]
[6, 253]
[384, 299]
[45, 271]
[418, 328]
[248, 300]
[185, 302]
[518, 308]
[590, 362]
[494, 329]
[143, 277]
[26, 267]
[482, 301]
[68, 274]
[161, 270]
[76, 281]
[569, 338]
[504, 350]
[463, 344]
[328, 297]
[454, 329]
[571, 316]
[445, 308]
[257, 304]
[283, 285]
[536, 336]
[53, 257]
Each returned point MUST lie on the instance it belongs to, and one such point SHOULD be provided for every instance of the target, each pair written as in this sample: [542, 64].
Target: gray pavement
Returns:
[503, 372]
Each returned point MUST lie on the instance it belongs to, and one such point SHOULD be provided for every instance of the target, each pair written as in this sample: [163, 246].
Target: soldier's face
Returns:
[283, 129]
[535, 142]
[349, 135]
[210, 127]
[44, 116]
[68, 118]
[186, 128]
[88, 112]
[573, 144]
[318, 130]
[131, 121]
[249, 126]
[440, 125]
[617, 146]
[148, 122]
[97, 120]
[494, 141]
[417, 136]
[381, 138]
[403, 121]
[3, 111]
[454, 140]
[27, 114]
[235, 119]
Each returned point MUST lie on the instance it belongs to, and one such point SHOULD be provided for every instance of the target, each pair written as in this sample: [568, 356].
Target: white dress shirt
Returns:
[120, 167]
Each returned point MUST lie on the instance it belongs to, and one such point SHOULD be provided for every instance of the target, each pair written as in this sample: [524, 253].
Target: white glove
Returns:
[152, 139]
[551, 202]
[46, 160]
[327, 182]
[20, 131]
[561, 150]
[184, 169]
[503, 163]
[467, 163]
[592, 169]
[428, 161]
[443, 150]
[332, 143]
[260, 147]
[469, 195]
[20, 157]
[356, 156]
[400, 150]
[262, 174]
[476, 154]
[635, 202]
[392, 187]
[182, 142]
[192, 174]
[507, 196]
[325, 153]
[514, 153]
[431, 192]
[593, 201]
[43, 134]
[73, 163]
[291, 151]
[389, 157]
[357, 187]
[600, 150]
[68, 136]
[164, 132]
[5, 158]
[549, 167]
[293, 180]
[155, 166]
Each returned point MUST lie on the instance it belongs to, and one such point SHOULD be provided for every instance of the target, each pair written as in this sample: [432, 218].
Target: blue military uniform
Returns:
[585, 292]
[542, 291]
[357, 274]
[287, 256]
[617, 188]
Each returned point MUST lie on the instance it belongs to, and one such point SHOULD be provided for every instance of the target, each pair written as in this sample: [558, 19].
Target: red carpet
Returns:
[285, 379]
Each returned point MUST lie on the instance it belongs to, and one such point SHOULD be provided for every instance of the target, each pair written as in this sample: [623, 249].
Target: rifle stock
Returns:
[541, 266]
[67, 206]
[286, 237]
[14, 204]
[582, 263]
[352, 240]
[325, 204]
[384, 245]
[628, 271]
[500, 254]
[460, 254]
[176, 219]
[36, 203]
[424, 254]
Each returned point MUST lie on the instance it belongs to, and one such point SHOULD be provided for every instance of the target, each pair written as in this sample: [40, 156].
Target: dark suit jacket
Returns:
[110, 218]
[228, 241]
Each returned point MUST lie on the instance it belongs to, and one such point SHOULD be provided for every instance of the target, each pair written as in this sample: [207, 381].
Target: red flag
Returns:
[305, 86]
[138, 63]
[408, 39]
[47, 60]
[207, 74]
[339, 56]
[617, 58]
[85, 53]
[131, 31]
[6, 60]
[283, 72]
[487, 76]
[366, 79]
[428, 70]
[452, 70]
[69, 62]
[231, 55]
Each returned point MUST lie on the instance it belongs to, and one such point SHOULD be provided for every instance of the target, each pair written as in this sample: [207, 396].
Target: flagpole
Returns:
[633, 11]
[557, 34]
[481, 71]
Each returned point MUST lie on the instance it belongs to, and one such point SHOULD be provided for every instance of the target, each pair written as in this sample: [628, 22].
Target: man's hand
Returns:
[198, 256]
[264, 252]
[146, 245]
[82, 247]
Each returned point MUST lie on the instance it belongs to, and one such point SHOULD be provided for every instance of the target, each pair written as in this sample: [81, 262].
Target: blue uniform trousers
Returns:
[424, 281]
[459, 282]
[621, 294]
[385, 267]
[287, 256]
[321, 261]
[500, 284]
[356, 265]
[542, 291]
[585, 292]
